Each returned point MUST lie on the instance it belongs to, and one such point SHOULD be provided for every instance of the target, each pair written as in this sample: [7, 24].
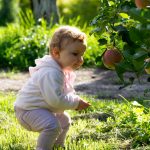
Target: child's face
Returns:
[71, 57]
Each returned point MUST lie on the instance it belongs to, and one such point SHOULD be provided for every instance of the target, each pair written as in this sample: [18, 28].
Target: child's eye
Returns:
[75, 54]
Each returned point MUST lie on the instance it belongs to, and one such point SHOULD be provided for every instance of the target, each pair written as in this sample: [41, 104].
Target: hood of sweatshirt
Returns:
[46, 61]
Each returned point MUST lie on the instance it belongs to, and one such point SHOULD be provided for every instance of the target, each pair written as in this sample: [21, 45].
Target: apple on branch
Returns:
[111, 57]
[142, 3]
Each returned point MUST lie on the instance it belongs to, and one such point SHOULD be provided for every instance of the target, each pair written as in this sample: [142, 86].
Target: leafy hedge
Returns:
[21, 44]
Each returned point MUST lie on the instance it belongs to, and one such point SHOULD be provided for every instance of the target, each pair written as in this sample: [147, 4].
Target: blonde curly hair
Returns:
[64, 35]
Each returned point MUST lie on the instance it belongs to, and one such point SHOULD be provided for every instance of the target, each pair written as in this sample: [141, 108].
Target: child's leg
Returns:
[43, 121]
[65, 122]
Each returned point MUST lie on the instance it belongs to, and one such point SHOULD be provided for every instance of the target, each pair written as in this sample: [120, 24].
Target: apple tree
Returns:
[125, 26]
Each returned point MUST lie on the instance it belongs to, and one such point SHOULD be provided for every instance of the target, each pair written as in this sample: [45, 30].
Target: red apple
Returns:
[147, 70]
[142, 3]
[111, 57]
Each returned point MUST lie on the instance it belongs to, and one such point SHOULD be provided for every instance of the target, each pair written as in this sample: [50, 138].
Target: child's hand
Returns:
[83, 105]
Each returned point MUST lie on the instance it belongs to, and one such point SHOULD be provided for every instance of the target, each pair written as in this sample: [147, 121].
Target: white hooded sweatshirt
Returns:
[48, 87]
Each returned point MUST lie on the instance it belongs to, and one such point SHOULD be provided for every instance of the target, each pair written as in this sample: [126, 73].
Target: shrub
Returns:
[27, 48]
[21, 44]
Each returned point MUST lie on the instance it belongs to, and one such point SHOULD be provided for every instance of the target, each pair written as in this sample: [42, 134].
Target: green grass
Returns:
[124, 125]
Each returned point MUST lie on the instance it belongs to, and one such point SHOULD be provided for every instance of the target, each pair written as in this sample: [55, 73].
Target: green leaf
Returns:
[134, 35]
[121, 69]
[138, 65]
[140, 55]
[137, 14]
[124, 15]
[95, 20]
[146, 14]
[135, 103]
[102, 41]
[147, 65]
[127, 56]
[98, 29]
[120, 28]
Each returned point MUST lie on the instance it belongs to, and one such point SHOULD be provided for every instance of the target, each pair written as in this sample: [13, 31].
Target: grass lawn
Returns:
[106, 125]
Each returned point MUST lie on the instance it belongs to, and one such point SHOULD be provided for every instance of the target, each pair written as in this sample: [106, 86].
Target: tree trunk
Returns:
[46, 9]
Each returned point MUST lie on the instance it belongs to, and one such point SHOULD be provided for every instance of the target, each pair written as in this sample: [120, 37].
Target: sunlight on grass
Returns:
[15, 75]
[12, 135]
[124, 126]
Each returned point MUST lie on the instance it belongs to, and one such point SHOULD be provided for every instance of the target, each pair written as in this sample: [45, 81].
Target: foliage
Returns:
[86, 9]
[25, 4]
[22, 43]
[6, 41]
[19, 51]
[124, 126]
[120, 24]
[27, 48]
[8, 11]
[92, 53]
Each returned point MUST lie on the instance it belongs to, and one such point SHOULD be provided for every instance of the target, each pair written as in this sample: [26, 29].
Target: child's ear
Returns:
[55, 52]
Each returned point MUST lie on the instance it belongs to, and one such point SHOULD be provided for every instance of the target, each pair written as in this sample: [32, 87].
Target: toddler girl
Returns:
[41, 103]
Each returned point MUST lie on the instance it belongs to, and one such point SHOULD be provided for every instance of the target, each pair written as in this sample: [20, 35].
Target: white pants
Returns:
[52, 127]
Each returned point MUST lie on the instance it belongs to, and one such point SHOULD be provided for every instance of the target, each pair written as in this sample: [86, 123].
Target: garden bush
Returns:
[21, 44]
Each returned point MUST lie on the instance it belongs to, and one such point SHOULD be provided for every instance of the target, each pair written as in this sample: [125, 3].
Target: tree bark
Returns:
[46, 9]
